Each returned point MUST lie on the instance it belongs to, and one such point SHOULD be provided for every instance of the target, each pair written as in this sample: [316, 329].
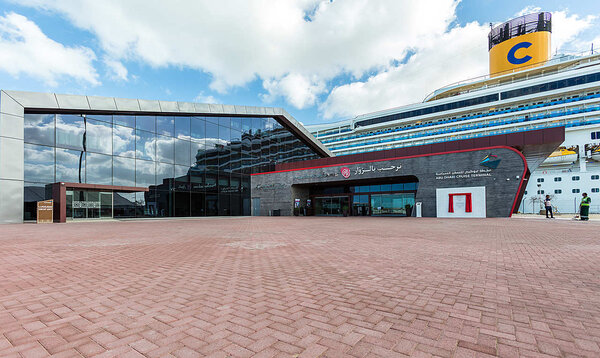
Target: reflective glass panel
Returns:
[145, 145]
[198, 152]
[39, 128]
[123, 141]
[123, 205]
[165, 174]
[39, 163]
[144, 173]
[146, 123]
[182, 152]
[98, 168]
[69, 131]
[198, 128]
[123, 171]
[182, 127]
[165, 125]
[165, 149]
[127, 121]
[212, 132]
[101, 117]
[98, 137]
[70, 166]
[225, 122]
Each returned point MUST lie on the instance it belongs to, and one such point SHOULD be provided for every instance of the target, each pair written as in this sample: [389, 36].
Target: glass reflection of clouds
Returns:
[68, 166]
[123, 141]
[172, 156]
[39, 129]
[40, 164]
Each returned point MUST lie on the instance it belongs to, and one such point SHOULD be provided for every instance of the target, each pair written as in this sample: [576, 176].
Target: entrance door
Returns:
[106, 205]
[84, 204]
[255, 206]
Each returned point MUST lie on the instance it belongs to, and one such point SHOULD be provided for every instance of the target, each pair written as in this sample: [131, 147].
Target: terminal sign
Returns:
[45, 211]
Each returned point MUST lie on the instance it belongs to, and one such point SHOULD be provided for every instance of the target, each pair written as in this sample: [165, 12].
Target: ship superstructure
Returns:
[534, 94]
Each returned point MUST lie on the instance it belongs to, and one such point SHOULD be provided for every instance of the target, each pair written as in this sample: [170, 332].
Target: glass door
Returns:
[79, 204]
[69, 204]
[106, 205]
[93, 204]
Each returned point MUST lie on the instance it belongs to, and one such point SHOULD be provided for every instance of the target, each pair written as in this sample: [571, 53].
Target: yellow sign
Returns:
[45, 211]
[521, 52]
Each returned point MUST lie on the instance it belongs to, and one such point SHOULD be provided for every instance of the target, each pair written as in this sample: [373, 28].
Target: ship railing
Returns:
[482, 130]
[470, 120]
[502, 81]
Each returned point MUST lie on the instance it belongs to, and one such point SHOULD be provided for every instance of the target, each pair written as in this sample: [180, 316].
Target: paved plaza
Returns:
[301, 287]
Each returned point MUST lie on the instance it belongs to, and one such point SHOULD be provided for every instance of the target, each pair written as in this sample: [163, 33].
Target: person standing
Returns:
[548, 205]
[584, 207]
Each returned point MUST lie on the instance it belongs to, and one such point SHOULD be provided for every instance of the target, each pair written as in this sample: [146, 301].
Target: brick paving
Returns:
[301, 287]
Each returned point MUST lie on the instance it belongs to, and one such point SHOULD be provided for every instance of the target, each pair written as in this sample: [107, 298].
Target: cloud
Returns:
[202, 98]
[454, 56]
[115, 69]
[26, 50]
[288, 45]
[298, 90]
[566, 28]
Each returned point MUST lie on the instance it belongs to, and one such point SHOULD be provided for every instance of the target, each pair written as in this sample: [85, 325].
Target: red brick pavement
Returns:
[301, 287]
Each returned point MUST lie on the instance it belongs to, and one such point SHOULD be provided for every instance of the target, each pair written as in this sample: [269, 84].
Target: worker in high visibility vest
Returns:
[584, 207]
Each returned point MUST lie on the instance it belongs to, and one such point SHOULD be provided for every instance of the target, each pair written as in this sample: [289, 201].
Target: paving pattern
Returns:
[301, 287]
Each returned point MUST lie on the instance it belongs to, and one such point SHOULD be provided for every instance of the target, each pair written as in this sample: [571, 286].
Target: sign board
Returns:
[45, 211]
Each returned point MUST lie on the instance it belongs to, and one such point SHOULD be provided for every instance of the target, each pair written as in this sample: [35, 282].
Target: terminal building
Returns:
[469, 150]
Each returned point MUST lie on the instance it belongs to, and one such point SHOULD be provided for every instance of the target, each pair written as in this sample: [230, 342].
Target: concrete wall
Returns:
[451, 170]
[11, 160]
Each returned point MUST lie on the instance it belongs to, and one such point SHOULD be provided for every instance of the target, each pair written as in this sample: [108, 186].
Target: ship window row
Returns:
[474, 126]
[559, 191]
[521, 107]
[393, 143]
[429, 110]
[549, 86]
[595, 135]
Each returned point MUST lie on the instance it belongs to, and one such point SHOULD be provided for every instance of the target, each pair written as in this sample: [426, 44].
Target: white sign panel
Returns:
[465, 202]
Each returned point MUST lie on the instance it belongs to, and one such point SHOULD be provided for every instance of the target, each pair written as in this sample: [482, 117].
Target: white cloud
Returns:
[565, 31]
[27, 50]
[116, 70]
[298, 90]
[454, 56]
[202, 98]
[242, 40]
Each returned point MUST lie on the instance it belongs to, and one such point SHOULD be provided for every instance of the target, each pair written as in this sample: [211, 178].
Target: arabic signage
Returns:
[347, 172]
[45, 211]
[463, 174]
[372, 168]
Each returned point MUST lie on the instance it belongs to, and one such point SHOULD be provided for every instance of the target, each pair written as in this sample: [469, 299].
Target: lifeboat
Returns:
[561, 156]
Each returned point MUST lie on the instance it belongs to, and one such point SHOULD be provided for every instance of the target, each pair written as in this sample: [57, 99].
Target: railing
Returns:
[489, 114]
[554, 114]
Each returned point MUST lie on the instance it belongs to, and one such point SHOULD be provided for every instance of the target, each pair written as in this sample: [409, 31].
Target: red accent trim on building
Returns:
[421, 155]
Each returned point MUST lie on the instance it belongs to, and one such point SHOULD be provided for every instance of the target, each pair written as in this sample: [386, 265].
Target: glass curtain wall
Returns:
[192, 165]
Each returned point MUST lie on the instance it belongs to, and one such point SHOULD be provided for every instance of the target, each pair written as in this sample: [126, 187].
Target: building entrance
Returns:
[394, 197]
[88, 204]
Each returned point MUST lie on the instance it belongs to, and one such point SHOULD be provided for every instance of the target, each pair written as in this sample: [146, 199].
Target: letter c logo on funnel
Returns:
[518, 60]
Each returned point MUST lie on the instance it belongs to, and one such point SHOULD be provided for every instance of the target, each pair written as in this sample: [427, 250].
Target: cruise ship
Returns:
[526, 90]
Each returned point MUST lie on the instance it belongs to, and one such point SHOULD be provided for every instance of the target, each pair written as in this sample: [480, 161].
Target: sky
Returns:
[321, 60]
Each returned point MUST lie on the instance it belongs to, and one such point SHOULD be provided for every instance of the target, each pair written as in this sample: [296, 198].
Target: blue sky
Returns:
[321, 60]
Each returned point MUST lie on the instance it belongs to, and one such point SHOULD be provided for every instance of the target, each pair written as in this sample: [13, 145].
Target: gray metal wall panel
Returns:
[11, 201]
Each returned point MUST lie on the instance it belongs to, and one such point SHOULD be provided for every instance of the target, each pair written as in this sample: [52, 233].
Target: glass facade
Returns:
[191, 165]
[395, 198]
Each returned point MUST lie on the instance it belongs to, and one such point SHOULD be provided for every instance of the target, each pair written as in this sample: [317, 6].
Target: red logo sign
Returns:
[345, 172]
